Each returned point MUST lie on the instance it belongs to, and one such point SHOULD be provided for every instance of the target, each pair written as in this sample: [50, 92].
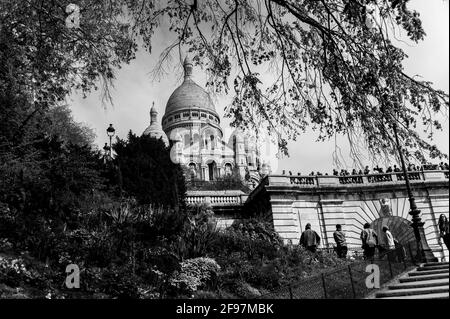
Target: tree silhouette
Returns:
[148, 173]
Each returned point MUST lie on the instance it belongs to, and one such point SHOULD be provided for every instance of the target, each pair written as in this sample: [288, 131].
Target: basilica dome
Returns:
[189, 94]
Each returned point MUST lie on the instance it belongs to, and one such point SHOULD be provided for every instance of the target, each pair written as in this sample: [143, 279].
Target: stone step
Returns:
[436, 263]
[424, 277]
[421, 284]
[443, 295]
[435, 267]
[413, 291]
[428, 272]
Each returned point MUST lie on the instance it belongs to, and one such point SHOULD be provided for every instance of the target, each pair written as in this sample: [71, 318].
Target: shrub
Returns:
[256, 238]
[195, 273]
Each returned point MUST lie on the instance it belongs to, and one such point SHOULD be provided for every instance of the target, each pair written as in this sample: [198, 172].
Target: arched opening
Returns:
[213, 144]
[212, 166]
[228, 169]
[192, 170]
[399, 227]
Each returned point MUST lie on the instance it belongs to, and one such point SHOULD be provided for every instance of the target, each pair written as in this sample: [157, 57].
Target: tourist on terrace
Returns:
[367, 170]
[396, 169]
[389, 169]
[309, 239]
[335, 172]
[369, 240]
[341, 244]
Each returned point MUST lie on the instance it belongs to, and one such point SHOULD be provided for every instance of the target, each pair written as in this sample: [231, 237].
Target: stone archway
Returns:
[400, 228]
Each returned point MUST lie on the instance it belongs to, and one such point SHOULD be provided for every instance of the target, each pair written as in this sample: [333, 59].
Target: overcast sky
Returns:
[135, 90]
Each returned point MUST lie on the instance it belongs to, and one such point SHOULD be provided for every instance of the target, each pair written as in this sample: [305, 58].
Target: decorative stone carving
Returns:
[385, 210]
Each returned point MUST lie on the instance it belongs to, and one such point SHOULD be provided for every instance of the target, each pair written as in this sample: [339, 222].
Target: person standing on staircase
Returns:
[443, 229]
[369, 240]
[390, 242]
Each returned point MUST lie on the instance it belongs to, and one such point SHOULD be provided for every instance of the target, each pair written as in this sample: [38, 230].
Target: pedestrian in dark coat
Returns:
[310, 239]
[369, 240]
[341, 244]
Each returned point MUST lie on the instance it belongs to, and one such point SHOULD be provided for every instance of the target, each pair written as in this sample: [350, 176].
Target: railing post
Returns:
[413, 260]
[351, 280]
[324, 287]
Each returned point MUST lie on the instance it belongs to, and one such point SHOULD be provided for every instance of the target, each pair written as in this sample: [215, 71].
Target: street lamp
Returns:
[423, 249]
[110, 131]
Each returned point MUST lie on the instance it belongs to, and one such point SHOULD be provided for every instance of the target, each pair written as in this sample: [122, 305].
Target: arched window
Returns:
[228, 169]
[213, 144]
[192, 170]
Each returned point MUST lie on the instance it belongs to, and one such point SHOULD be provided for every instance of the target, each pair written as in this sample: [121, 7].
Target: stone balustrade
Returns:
[370, 179]
[216, 198]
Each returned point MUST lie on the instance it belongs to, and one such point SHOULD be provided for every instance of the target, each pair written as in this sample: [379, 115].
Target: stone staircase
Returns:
[429, 281]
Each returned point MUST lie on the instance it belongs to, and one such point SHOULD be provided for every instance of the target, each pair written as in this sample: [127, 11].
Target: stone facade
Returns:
[379, 199]
[192, 125]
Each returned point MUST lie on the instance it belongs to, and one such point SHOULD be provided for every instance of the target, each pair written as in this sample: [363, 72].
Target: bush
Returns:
[195, 273]
[256, 238]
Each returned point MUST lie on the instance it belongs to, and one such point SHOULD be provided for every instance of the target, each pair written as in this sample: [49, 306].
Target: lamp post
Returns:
[110, 131]
[423, 250]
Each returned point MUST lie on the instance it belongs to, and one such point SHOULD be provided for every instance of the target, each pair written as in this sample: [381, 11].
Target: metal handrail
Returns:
[351, 267]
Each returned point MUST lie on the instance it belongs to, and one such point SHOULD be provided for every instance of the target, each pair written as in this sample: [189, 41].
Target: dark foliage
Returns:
[148, 173]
